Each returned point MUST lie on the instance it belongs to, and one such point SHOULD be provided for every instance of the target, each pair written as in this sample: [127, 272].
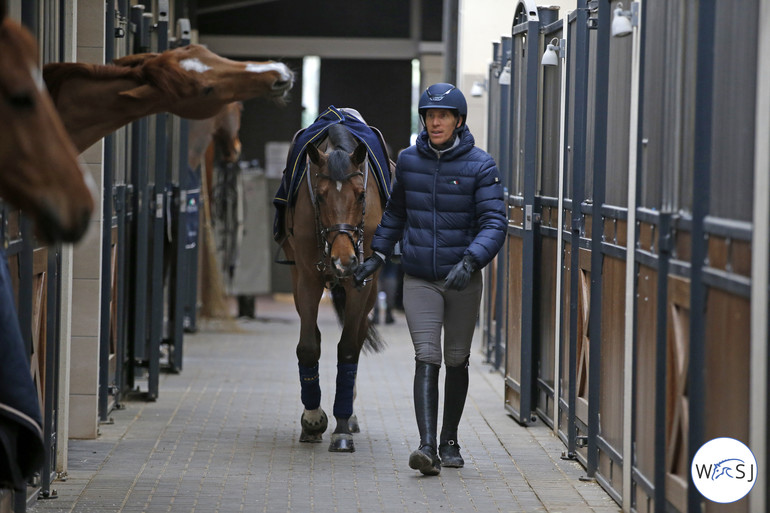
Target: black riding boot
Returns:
[455, 391]
[425, 458]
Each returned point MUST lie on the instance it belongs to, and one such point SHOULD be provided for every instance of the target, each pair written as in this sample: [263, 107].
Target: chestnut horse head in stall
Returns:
[39, 168]
[191, 81]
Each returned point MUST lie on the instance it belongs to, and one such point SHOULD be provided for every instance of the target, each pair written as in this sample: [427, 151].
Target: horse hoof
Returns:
[313, 438]
[353, 424]
[314, 422]
[342, 442]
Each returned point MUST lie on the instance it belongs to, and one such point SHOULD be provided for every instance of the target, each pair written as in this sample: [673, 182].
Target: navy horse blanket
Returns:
[296, 162]
[21, 435]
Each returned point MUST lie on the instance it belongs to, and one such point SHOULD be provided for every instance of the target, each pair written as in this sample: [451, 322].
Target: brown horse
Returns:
[191, 81]
[39, 168]
[39, 173]
[221, 130]
[329, 231]
[206, 138]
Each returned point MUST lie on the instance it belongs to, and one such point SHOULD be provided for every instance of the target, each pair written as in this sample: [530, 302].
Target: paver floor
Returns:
[222, 437]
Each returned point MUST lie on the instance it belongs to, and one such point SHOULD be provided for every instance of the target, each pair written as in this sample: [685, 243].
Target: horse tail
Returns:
[373, 342]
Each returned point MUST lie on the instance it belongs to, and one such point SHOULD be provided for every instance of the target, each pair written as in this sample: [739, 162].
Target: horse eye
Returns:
[21, 101]
[208, 90]
[361, 197]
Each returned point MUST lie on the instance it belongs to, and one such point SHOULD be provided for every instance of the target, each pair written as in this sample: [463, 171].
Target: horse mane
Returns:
[56, 74]
[343, 143]
[161, 72]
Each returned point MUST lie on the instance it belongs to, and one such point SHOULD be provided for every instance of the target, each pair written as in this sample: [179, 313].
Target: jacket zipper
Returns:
[435, 248]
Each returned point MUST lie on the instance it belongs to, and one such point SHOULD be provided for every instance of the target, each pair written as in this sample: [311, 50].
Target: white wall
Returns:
[483, 22]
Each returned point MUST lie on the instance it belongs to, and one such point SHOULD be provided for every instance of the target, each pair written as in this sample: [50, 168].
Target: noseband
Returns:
[353, 232]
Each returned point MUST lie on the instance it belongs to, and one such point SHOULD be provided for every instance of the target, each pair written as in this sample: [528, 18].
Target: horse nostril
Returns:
[281, 86]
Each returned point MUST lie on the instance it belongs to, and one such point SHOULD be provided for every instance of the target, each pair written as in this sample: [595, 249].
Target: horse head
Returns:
[340, 198]
[201, 82]
[39, 168]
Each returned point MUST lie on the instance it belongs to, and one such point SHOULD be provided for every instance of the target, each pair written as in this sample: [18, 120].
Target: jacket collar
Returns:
[464, 141]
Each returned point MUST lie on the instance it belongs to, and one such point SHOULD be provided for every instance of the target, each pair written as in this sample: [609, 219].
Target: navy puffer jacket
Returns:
[443, 207]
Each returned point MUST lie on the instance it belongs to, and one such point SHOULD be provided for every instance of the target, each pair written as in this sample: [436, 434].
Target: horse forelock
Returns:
[338, 164]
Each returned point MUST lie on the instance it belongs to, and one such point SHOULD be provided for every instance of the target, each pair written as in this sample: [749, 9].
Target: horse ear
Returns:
[359, 154]
[314, 154]
[142, 92]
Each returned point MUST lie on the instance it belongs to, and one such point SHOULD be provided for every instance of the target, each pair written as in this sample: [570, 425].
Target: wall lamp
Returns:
[553, 52]
[478, 88]
[505, 74]
[624, 21]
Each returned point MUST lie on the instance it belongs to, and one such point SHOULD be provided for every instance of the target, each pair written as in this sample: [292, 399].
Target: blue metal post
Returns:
[579, 55]
[701, 186]
[597, 233]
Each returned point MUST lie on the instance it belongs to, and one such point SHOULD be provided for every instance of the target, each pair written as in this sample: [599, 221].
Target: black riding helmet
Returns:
[443, 96]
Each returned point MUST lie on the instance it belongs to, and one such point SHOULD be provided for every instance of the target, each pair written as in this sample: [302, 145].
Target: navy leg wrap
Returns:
[346, 380]
[310, 387]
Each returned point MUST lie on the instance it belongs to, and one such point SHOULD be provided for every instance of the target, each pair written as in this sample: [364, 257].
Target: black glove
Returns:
[366, 269]
[460, 274]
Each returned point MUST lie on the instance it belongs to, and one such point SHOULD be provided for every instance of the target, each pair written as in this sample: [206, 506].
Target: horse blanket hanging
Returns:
[21, 433]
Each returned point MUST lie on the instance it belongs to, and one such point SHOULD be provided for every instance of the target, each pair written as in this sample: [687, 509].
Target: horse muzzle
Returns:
[342, 270]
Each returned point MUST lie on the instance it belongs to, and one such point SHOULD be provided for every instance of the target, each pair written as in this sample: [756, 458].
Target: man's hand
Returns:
[460, 274]
[366, 269]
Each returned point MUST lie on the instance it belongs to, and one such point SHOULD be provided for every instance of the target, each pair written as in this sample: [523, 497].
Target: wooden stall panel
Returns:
[644, 384]
[564, 380]
[583, 335]
[728, 340]
[545, 334]
[612, 368]
[513, 333]
[677, 396]
[39, 321]
[114, 343]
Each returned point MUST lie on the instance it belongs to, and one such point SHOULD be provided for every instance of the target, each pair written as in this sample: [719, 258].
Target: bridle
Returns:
[354, 232]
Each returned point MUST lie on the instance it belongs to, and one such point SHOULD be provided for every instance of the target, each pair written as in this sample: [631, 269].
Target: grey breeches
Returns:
[429, 308]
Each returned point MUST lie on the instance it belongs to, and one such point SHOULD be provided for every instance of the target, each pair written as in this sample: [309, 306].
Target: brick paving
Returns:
[222, 437]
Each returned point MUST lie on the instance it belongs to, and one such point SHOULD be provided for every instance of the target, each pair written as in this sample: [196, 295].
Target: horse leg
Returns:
[342, 438]
[348, 351]
[314, 420]
[353, 420]
[363, 328]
